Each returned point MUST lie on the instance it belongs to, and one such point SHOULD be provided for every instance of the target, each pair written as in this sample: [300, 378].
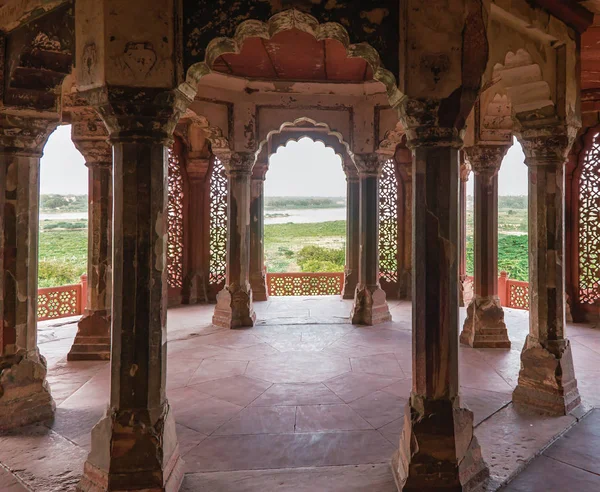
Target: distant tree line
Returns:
[515, 202]
[64, 203]
[284, 203]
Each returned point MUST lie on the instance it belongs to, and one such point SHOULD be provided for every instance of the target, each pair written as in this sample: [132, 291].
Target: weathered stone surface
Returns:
[370, 305]
[258, 279]
[438, 450]
[234, 307]
[352, 235]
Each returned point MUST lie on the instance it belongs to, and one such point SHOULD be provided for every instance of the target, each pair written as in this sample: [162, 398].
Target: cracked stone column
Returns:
[438, 449]
[484, 326]
[370, 305]
[234, 302]
[92, 341]
[135, 445]
[352, 232]
[465, 171]
[258, 279]
[24, 393]
[547, 378]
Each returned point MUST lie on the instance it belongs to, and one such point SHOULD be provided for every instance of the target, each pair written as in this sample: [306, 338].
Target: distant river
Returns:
[64, 216]
[306, 215]
[298, 216]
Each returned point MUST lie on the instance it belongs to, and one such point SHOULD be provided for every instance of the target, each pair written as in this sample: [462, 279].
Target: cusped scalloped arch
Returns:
[285, 21]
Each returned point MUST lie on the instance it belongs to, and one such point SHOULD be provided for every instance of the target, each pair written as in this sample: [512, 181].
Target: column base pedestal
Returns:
[25, 394]
[92, 341]
[547, 381]
[194, 291]
[234, 308]
[370, 306]
[438, 450]
[484, 326]
[259, 288]
[130, 451]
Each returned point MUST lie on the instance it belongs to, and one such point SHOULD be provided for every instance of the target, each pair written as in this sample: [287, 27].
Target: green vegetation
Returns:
[62, 257]
[63, 203]
[48, 224]
[318, 259]
[512, 256]
[286, 203]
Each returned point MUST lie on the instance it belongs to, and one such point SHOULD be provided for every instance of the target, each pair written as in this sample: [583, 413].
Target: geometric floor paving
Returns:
[302, 401]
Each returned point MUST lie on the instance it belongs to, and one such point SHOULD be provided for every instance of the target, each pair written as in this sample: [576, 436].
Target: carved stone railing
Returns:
[305, 284]
[513, 293]
[63, 301]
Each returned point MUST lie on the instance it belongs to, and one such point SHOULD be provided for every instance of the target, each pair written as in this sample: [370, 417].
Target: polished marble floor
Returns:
[302, 401]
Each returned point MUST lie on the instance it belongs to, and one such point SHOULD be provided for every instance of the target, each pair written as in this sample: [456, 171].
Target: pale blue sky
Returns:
[303, 168]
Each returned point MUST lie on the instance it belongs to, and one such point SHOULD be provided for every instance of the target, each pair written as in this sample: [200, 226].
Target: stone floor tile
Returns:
[379, 408]
[484, 403]
[10, 483]
[248, 353]
[210, 369]
[297, 394]
[355, 385]
[271, 451]
[324, 418]
[393, 430]
[260, 420]
[401, 388]
[239, 390]
[360, 478]
[548, 475]
[298, 367]
[382, 365]
[203, 414]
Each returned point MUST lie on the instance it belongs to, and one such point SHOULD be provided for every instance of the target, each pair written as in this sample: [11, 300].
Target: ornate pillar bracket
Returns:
[353, 230]
[135, 442]
[24, 392]
[258, 278]
[438, 448]
[234, 303]
[370, 305]
[484, 326]
[92, 341]
[547, 378]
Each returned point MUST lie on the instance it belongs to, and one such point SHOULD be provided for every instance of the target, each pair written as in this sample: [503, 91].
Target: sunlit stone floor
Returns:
[302, 401]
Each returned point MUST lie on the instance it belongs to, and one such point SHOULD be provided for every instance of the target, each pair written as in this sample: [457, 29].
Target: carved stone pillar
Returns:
[92, 341]
[465, 171]
[135, 445]
[197, 230]
[438, 449]
[24, 393]
[547, 378]
[370, 305]
[404, 159]
[234, 302]
[352, 233]
[258, 279]
[484, 326]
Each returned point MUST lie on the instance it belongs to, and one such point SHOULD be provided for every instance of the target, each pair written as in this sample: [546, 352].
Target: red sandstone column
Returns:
[234, 302]
[404, 159]
[370, 305]
[484, 326]
[438, 450]
[547, 379]
[92, 341]
[135, 445]
[465, 171]
[258, 280]
[352, 233]
[24, 393]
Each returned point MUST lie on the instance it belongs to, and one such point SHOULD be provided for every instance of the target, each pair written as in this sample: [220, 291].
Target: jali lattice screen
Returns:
[388, 223]
[218, 224]
[175, 222]
[589, 226]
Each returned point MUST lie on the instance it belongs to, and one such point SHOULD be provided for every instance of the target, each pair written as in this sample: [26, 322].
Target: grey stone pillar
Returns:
[258, 280]
[24, 393]
[234, 303]
[484, 326]
[370, 305]
[352, 233]
[547, 378]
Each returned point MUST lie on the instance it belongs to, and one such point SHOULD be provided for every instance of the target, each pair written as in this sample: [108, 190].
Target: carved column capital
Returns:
[424, 124]
[25, 134]
[547, 146]
[96, 153]
[370, 164]
[465, 169]
[485, 160]
[237, 163]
